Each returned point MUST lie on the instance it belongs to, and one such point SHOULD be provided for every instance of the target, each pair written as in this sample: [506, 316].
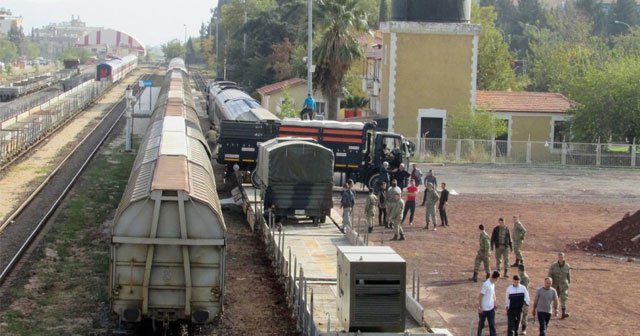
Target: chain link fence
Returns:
[527, 152]
[36, 123]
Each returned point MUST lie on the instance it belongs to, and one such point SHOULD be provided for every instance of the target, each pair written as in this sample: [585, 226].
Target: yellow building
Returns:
[428, 73]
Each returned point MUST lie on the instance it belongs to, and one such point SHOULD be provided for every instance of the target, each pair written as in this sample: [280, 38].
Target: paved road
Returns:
[590, 183]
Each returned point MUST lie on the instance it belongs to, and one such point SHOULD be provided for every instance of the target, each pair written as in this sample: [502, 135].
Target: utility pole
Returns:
[309, 47]
[128, 97]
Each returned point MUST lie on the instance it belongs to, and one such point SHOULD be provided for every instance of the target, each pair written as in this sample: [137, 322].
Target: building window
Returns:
[321, 108]
[559, 133]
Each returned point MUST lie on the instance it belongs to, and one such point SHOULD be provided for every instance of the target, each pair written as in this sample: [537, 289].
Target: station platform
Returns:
[309, 252]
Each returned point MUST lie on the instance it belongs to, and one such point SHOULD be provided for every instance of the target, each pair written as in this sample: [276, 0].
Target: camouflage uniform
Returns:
[501, 240]
[561, 276]
[396, 218]
[518, 238]
[524, 280]
[483, 254]
[432, 199]
[390, 201]
[369, 209]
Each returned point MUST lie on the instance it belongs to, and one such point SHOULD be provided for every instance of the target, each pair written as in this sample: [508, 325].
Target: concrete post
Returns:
[598, 153]
[528, 160]
[563, 159]
[633, 153]
[493, 151]
[128, 96]
[458, 149]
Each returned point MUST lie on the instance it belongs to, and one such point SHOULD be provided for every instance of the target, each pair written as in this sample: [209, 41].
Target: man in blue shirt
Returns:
[309, 107]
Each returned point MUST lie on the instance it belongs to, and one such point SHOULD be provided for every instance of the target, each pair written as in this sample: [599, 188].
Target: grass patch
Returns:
[68, 282]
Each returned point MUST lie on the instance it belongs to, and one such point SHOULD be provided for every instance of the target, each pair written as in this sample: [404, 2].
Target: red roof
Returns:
[271, 88]
[532, 102]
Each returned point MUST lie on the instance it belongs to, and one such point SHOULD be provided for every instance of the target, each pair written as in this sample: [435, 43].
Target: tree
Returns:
[80, 53]
[475, 124]
[31, 49]
[623, 11]
[16, 36]
[494, 58]
[173, 49]
[608, 102]
[339, 22]
[8, 51]
[383, 12]
[279, 60]
[287, 108]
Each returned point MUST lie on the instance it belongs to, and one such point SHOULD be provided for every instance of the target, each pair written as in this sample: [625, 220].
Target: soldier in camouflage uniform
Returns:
[483, 255]
[396, 217]
[432, 200]
[501, 241]
[369, 209]
[560, 273]
[524, 280]
[519, 232]
[390, 197]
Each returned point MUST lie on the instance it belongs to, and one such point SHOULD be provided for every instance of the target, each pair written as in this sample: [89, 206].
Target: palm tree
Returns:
[339, 23]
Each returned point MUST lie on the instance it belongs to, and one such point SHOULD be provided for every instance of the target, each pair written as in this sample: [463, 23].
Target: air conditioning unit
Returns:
[371, 289]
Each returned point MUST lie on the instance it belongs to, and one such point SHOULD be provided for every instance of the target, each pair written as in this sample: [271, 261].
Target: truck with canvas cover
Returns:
[296, 177]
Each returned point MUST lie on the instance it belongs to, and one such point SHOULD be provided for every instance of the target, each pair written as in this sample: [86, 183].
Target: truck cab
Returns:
[380, 147]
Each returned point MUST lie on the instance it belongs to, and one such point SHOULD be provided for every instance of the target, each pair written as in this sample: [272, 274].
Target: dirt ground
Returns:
[559, 208]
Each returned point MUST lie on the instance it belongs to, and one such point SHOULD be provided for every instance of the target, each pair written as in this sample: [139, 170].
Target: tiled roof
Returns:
[271, 88]
[533, 102]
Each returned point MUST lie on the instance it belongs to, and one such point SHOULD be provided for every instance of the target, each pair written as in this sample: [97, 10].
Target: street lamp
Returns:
[623, 23]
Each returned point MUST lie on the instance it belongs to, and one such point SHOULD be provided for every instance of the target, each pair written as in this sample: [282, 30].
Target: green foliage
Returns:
[475, 124]
[8, 51]
[31, 49]
[80, 53]
[354, 102]
[287, 108]
[494, 58]
[173, 49]
[609, 104]
[339, 23]
[623, 11]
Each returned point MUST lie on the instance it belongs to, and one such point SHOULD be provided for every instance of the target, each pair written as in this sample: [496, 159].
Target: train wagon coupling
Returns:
[336, 283]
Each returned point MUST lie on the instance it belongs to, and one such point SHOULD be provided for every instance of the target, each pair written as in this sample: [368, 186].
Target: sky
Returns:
[152, 22]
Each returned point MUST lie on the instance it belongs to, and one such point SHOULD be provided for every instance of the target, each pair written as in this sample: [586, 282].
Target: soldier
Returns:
[369, 208]
[560, 273]
[519, 232]
[524, 280]
[382, 208]
[432, 199]
[390, 197]
[429, 178]
[212, 137]
[396, 217]
[483, 255]
[501, 241]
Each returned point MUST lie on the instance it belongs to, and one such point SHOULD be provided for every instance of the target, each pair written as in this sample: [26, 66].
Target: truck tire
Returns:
[255, 180]
[374, 182]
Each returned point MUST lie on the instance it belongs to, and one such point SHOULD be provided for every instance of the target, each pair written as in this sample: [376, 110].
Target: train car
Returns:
[296, 176]
[228, 102]
[116, 69]
[168, 239]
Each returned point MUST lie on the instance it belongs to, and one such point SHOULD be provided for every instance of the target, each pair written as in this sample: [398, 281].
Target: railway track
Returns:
[21, 228]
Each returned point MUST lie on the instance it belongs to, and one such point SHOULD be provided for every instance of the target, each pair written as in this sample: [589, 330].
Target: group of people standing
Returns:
[397, 195]
[517, 301]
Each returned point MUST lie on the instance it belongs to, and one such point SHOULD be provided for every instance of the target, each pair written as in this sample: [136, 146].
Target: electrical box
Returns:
[371, 289]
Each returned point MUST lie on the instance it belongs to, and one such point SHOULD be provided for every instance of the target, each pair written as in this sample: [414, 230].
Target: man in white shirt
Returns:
[487, 304]
[517, 297]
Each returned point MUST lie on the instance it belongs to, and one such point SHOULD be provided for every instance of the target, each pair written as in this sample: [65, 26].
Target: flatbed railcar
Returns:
[169, 237]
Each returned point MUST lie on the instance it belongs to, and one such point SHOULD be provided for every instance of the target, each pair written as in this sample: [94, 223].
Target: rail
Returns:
[119, 110]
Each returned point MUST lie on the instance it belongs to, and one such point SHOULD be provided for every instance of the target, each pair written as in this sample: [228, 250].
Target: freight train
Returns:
[168, 240]
[116, 69]
[359, 149]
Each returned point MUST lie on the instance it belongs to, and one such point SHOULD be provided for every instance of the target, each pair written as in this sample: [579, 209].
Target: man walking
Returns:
[396, 217]
[442, 205]
[429, 178]
[519, 232]
[402, 175]
[432, 199]
[369, 209]
[410, 202]
[517, 299]
[483, 255]
[501, 241]
[487, 304]
[382, 208]
[524, 280]
[544, 304]
[346, 203]
[560, 273]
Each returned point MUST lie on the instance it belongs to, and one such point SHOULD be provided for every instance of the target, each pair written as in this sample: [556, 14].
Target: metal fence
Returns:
[527, 152]
[30, 126]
